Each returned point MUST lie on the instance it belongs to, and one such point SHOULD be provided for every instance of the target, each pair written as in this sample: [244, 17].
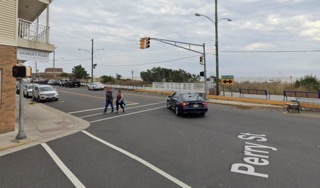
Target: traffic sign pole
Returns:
[21, 134]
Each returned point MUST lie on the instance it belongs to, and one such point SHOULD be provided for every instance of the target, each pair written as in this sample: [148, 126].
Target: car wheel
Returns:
[28, 95]
[177, 110]
[56, 99]
[202, 114]
[168, 105]
[39, 99]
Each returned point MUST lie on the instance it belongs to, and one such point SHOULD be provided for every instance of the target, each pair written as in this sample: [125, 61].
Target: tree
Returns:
[108, 79]
[309, 82]
[79, 72]
[65, 75]
[158, 74]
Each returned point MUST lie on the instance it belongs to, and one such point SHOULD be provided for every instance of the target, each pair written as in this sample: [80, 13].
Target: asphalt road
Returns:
[149, 146]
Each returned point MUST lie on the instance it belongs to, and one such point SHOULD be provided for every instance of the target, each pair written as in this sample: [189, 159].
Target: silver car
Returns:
[28, 90]
[95, 86]
[45, 92]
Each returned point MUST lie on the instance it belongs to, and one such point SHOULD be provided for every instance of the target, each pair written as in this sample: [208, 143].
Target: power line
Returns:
[159, 62]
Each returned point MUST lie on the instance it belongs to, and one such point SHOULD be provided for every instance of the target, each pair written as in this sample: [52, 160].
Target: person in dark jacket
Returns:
[109, 99]
[119, 101]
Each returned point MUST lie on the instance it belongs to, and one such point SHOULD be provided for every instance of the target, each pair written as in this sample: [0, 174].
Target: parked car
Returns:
[28, 90]
[63, 82]
[72, 83]
[185, 103]
[17, 87]
[45, 92]
[95, 86]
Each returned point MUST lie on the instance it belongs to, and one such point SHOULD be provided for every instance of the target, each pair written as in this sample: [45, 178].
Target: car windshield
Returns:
[30, 87]
[46, 89]
[191, 97]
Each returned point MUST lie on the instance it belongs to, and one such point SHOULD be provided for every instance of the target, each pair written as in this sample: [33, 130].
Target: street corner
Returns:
[14, 143]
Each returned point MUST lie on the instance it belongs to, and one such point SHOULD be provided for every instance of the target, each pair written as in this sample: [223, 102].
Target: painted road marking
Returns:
[76, 182]
[126, 114]
[125, 109]
[93, 109]
[255, 154]
[132, 156]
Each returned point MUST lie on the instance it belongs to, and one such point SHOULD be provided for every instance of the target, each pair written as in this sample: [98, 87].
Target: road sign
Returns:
[227, 77]
[227, 80]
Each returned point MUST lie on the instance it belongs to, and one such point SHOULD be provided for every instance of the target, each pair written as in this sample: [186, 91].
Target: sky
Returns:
[275, 38]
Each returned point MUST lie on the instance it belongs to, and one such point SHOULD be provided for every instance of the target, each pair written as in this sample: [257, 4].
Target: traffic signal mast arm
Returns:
[146, 44]
[175, 43]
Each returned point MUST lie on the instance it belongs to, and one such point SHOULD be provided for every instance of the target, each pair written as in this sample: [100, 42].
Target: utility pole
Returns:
[53, 67]
[92, 61]
[132, 74]
[217, 49]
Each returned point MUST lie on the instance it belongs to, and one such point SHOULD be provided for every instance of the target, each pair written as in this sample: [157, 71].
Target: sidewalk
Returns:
[41, 124]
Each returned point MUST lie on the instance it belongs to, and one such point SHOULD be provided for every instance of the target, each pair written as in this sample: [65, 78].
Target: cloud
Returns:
[258, 46]
[116, 26]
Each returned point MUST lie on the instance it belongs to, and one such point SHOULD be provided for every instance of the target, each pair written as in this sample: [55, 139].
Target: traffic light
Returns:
[201, 60]
[202, 73]
[142, 46]
[19, 71]
[147, 42]
[94, 66]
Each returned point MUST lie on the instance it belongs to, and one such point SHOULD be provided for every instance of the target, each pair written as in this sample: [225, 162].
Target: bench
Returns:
[254, 92]
[300, 94]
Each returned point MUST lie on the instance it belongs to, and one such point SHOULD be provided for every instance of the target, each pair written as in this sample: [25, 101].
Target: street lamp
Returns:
[92, 51]
[216, 42]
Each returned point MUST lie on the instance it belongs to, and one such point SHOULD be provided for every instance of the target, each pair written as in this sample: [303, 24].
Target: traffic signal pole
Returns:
[179, 44]
[205, 73]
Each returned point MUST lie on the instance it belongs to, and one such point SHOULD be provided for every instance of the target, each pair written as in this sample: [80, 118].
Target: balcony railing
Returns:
[33, 31]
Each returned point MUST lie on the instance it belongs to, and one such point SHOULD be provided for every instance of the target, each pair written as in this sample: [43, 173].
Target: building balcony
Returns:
[31, 34]
[34, 36]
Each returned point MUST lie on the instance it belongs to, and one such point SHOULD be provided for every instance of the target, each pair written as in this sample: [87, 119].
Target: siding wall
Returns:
[8, 22]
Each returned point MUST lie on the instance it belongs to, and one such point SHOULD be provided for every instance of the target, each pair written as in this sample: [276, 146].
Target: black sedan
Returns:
[187, 103]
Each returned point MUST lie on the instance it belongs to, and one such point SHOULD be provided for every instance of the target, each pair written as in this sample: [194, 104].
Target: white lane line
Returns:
[75, 112]
[76, 182]
[130, 104]
[126, 114]
[120, 110]
[151, 166]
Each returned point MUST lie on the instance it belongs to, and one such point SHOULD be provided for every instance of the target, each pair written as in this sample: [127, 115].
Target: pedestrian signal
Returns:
[19, 71]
